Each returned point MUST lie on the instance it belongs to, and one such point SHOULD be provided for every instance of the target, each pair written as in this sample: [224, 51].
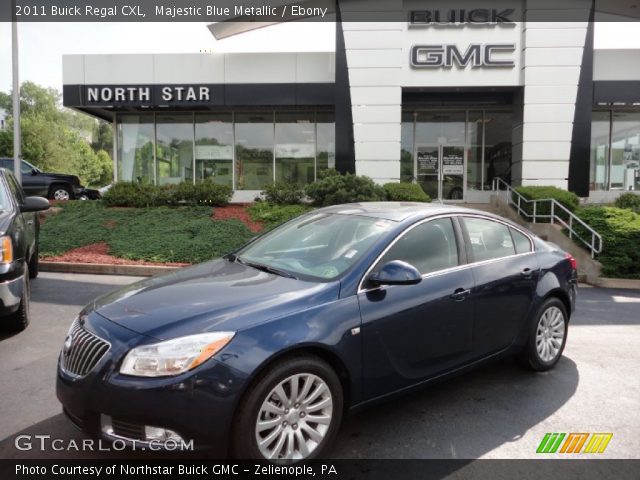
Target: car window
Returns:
[15, 188]
[320, 245]
[489, 239]
[523, 245]
[430, 246]
[5, 202]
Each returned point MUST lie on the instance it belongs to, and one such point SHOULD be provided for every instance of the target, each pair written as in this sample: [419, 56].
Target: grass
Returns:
[158, 234]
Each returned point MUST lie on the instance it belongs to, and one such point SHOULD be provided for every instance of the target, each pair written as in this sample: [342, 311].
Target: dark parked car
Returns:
[55, 186]
[264, 350]
[19, 229]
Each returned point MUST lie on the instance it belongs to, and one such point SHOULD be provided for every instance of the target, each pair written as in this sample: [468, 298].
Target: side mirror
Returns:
[34, 171]
[396, 272]
[34, 204]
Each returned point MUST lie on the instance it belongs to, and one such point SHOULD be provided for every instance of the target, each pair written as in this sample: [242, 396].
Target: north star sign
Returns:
[147, 95]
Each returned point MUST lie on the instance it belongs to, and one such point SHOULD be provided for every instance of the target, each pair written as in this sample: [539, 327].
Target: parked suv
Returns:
[19, 228]
[55, 186]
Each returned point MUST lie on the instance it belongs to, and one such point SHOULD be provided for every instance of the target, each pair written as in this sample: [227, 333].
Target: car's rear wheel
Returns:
[291, 413]
[19, 320]
[60, 192]
[547, 336]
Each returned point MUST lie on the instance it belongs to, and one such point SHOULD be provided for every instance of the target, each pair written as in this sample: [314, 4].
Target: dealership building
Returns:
[450, 98]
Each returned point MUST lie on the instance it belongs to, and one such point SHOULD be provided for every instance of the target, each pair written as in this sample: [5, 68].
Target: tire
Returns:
[547, 336]
[19, 320]
[60, 192]
[455, 194]
[293, 436]
[34, 263]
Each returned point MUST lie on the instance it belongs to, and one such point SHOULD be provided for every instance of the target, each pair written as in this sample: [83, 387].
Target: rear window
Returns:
[489, 239]
[523, 245]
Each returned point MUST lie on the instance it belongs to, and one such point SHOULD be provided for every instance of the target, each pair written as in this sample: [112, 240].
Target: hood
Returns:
[217, 295]
[63, 176]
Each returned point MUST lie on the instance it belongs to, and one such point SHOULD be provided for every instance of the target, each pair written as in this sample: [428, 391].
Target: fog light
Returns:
[160, 434]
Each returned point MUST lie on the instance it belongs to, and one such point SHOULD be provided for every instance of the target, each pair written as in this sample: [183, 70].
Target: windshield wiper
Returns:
[265, 268]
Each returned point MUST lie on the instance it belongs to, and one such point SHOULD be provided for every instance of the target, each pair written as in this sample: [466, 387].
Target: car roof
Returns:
[399, 211]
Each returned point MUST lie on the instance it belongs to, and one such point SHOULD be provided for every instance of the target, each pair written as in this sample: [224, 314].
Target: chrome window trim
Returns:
[361, 288]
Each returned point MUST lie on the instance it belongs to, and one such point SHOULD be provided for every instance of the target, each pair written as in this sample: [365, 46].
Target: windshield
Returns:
[5, 203]
[319, 245]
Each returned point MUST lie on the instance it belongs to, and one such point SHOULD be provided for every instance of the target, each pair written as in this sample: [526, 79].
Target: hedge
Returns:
[405, 192]
[334, 189]
[620, 230]
[629, 200]
[283, 193]
[129, 194]
[568, 199]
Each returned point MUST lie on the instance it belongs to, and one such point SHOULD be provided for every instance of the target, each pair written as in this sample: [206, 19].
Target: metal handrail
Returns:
[594, 246]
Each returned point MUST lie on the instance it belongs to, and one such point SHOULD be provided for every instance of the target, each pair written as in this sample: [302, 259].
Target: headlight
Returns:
[6, 250]
[173, 357]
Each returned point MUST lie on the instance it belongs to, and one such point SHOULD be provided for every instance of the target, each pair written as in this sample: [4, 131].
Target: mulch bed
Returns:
[99, 253]
[237, 211]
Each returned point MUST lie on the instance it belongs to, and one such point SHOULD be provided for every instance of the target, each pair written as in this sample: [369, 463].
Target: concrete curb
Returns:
[104, 269]
[625, 283]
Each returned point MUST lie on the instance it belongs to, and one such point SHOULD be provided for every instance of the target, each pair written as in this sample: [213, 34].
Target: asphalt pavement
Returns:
[498, 411]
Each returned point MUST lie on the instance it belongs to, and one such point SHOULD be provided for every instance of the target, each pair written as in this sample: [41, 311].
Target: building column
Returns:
[553, 55]
[374, 64]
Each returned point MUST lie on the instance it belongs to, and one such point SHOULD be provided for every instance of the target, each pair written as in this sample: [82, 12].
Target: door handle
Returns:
[29, 222]
[526, 273]
[460, 294]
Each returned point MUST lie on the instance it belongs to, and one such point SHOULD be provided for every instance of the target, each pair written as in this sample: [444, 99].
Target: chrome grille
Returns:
[128, 430]
[82, 351]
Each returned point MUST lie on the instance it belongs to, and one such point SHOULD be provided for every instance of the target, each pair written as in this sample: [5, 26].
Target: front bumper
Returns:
[11, 293]
[198, 405]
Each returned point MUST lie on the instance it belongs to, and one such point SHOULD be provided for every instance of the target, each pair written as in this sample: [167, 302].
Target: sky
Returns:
[43, 44]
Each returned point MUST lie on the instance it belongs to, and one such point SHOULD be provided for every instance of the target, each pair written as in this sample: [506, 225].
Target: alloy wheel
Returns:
[61, 194]
[550, 334]
[294, 418]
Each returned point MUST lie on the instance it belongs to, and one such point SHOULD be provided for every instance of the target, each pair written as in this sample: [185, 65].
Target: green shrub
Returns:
[335, 189]
[128, 194]
[272, 215]
[283, 193]
[629, 200]
[620, 230]
[405, 192]
[568, 199]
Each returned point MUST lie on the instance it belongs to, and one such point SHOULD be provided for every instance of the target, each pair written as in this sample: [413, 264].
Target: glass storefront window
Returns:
[475, 129]
[254, 150]
[135, 148]
[497, 147]
[625, 151]
[326, 141]
[174, 148]
[295, 147]
[214, 148]
[600, 125]
[406, 148]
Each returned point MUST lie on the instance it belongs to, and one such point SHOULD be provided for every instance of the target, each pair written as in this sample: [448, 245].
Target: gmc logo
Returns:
[446, 56]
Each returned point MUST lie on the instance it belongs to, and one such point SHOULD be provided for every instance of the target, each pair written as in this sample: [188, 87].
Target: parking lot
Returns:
[499, 411]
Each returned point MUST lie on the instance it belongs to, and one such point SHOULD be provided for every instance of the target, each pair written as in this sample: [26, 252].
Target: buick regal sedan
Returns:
[259, 354]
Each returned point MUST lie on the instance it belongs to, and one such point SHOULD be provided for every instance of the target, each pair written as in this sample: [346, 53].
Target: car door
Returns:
[413, 332]
[33, 182]
[505, 271]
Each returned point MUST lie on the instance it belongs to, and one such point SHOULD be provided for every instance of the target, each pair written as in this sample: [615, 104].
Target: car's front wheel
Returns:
[60, 192]
[547, 336]
[290, 413]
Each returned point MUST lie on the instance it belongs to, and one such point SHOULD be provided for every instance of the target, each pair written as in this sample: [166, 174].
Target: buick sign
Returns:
[483, 17]
[447, 56]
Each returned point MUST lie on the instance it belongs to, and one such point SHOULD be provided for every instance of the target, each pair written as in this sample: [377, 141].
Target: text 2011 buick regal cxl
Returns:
[260, 353]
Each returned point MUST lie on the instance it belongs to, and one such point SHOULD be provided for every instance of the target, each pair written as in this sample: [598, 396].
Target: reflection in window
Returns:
[497, 147]
[489, 239]
[254, 150]
[475, 132]
[214, 148]
[600, 123]
[625, 151]
[406, 148]
[295, 148]
[174, 148]
[135, 148]
[326, 138]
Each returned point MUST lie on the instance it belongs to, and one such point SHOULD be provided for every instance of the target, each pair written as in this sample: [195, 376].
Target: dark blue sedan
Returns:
[260, 354]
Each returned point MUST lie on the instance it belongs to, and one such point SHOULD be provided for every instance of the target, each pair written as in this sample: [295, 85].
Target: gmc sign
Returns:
[446, 56]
